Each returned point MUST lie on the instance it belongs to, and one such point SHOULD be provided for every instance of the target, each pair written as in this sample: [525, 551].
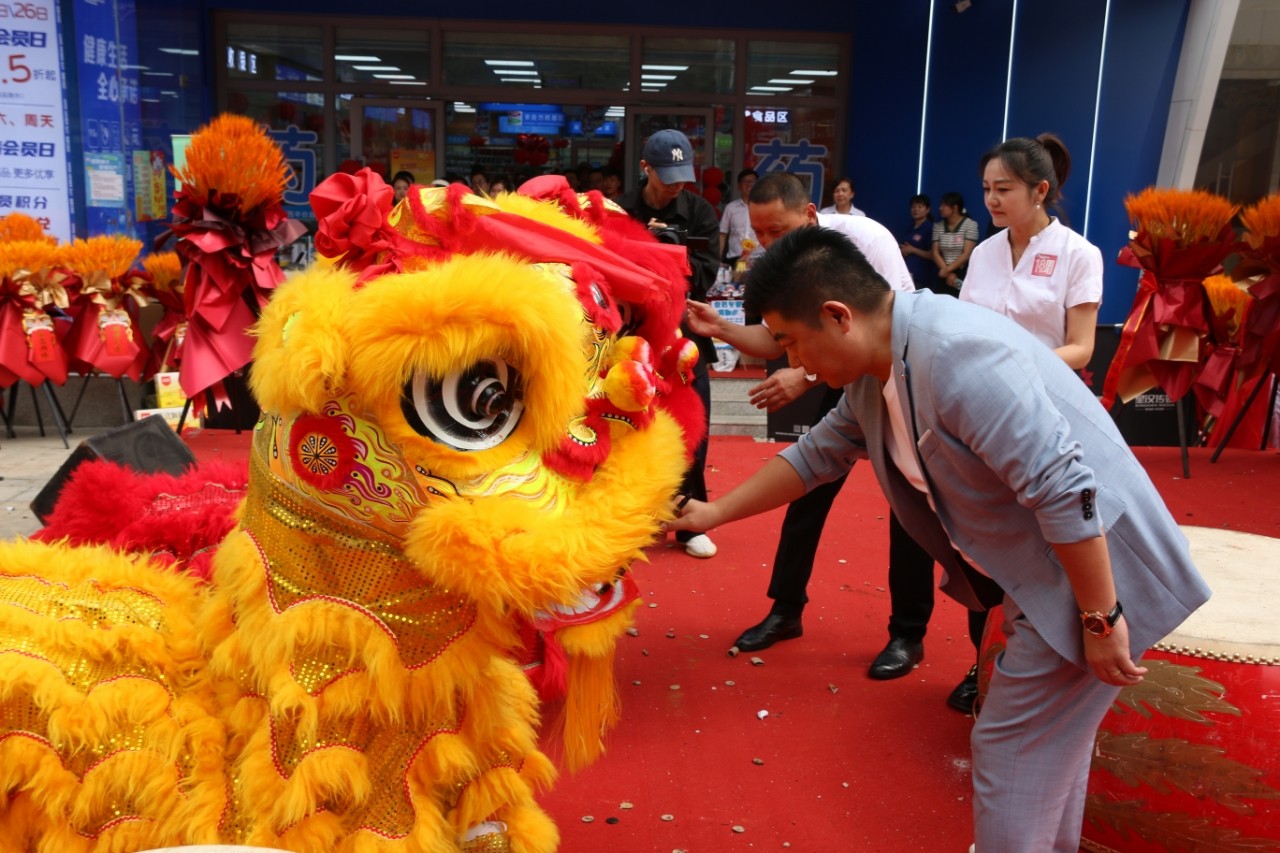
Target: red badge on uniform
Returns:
[1044, 264]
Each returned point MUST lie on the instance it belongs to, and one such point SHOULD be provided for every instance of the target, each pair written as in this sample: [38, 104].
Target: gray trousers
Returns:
[1032, 745]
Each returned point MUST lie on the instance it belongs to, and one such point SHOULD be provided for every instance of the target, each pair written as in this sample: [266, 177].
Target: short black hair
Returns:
[780, 186]
[402, 175]
[807, 267]
[745, 172]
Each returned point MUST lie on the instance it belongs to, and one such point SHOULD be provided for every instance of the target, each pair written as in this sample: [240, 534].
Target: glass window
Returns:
[397, 57]
[800, 140]
[792, 69]
[670, 65]
[1241, 154]
[535, 61]
[273, 52]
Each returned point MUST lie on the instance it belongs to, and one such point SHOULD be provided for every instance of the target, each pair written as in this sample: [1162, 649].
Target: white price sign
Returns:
[33, 137]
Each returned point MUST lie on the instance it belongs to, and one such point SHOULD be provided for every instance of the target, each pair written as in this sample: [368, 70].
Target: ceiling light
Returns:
[350, 57]
[463, 108]
[657, 76]
[769, 89]
[157, 74]
[179, 51]
[516, 72]
[408, 83]
[393, 76]
[516, 62]
[809, 72]
[664, 68]
[135, 67]
[786, 80]
[150, 100]
[375, 68]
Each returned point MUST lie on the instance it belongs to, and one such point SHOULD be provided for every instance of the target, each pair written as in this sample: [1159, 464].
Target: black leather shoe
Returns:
[773, 629]
[966, 693]
[897, 659]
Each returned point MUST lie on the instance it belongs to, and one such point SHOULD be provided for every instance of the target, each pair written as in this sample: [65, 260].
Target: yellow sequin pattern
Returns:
[313, 556]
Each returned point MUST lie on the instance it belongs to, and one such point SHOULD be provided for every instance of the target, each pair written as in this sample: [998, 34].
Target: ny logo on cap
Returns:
[677, 154]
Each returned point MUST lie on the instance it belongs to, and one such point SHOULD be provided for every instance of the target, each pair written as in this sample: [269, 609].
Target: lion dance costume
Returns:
[475, 413]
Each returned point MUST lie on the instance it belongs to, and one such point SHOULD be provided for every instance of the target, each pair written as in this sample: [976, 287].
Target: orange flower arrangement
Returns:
[30, 285]
[1180, 238]
[25, 254]
[1262, 221]
[108, 255]
[169, 333]
[1260, 266]
[19, 226]
[232, 155]
[165, 268]
[106, 335]
[229, 221]
[1229, 302]
[1186, 217]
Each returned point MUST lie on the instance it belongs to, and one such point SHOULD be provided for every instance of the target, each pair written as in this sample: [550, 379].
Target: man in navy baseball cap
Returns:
[667, 201]
[669, 153]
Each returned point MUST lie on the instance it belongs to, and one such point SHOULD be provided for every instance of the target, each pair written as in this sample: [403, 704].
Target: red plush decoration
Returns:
[713, 177]
[712, 194]
[180, 519]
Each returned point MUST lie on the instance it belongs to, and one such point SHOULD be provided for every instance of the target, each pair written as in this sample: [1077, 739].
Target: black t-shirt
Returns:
[694, 215]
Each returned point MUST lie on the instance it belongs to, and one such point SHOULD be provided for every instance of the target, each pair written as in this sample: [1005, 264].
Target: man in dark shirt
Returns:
[664, 202]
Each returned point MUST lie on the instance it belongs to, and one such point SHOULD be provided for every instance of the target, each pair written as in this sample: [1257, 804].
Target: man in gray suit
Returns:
[1002, 464]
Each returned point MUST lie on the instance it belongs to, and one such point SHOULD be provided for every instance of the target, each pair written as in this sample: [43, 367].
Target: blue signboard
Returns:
[106, 41]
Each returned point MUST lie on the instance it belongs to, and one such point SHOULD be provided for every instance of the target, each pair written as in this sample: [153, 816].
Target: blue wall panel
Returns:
[1054, 84]
[886, 86]
[966, 97]
[1144, 39]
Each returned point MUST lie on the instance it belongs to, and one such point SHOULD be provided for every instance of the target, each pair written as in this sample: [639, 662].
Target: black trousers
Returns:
[695, 477]
[911, 579]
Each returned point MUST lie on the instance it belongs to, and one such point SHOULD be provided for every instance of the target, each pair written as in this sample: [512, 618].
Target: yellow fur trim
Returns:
[301, 357]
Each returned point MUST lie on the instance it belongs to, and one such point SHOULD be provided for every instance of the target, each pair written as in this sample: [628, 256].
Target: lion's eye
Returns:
[471, 409]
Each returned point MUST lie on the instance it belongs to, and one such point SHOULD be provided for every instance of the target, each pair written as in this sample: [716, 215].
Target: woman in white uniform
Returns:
[1038, 272]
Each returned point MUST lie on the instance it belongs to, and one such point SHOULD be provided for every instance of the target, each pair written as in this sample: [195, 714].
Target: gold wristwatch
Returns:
[1099, 624]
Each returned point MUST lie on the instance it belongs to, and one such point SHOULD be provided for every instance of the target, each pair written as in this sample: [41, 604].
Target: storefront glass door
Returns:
[390, 135]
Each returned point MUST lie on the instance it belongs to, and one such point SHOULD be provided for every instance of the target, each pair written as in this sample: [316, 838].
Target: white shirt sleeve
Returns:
[877, 243]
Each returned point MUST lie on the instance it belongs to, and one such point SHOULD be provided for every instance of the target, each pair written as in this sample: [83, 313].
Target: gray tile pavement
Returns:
[27, 463]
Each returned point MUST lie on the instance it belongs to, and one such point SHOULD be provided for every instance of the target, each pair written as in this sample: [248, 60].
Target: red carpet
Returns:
[840, 762]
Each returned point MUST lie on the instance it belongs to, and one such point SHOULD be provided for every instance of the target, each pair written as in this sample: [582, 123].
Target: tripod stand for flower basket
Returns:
[59, 417]
[1267, 378]
[125, 408]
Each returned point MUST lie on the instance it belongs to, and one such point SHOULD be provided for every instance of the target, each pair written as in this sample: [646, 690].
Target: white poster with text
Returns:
[33, 134]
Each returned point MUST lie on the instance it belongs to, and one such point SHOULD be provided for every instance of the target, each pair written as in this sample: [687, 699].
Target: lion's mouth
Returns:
[592, 604]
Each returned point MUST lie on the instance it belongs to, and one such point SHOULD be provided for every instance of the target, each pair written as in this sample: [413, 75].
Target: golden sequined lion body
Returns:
[474, 416]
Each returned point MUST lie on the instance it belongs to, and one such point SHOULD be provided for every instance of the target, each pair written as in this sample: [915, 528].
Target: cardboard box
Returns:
[171, 415]
[168, 391]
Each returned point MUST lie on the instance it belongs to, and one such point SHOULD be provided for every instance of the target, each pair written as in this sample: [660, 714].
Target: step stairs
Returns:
[731, 413]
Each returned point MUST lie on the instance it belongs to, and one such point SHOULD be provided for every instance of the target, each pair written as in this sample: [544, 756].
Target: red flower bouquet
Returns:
[1180, 238]
[229, 221]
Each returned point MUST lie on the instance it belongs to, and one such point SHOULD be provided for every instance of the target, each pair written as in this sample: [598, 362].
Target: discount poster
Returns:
[33, 126]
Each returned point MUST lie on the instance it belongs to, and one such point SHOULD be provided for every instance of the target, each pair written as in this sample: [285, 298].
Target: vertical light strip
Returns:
[1008, 79]
[924, 104]
[1097, 108]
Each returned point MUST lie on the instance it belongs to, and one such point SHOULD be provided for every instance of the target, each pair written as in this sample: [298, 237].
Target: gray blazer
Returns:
[1018, 454]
